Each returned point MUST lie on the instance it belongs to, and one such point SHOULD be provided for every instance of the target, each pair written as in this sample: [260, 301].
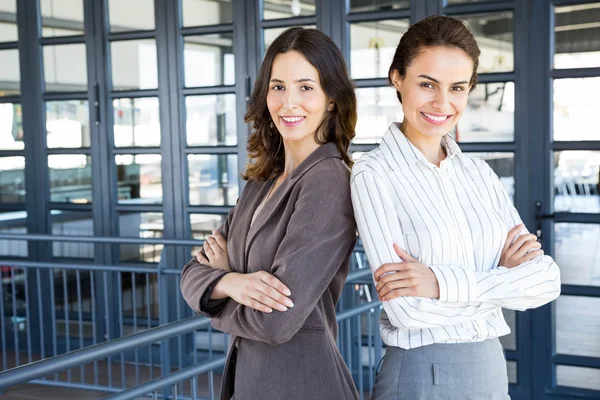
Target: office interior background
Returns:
[121, 125]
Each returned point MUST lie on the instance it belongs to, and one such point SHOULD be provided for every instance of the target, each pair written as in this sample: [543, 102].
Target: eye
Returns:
[306, 88]
[426, 85]
[458, 88]
[277, 87]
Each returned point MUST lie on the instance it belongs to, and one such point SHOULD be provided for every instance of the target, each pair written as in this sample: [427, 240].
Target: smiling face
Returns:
[296, 100]
[435, 90]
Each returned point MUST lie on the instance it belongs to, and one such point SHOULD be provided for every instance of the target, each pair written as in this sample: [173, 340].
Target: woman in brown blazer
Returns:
[273, 273]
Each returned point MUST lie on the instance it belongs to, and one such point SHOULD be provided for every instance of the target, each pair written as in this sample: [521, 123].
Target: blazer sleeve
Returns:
[198, 280]
[320, 235]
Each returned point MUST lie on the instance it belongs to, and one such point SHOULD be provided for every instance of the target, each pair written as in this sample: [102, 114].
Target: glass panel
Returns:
[12, 179]
[70, 178]
[72, 223]
[271, 34]
[139, 290]
[509, 342]
[145, 226]
[139, 178]
[202, 225]
[467, 1]
[206, 12]
[211, 120]
[579, 377]
[136, 122]
[209, 60]
[10, 74]
[273, 9]
[8, 27]
[377, 5]
[577, 251]
[120, 15]
[377, 109]
[577, 181]
[12, 222]
[574, 26]
[577, 326]
[503, 164]
[575, 100]
[61, 17]
[490, 114]
[494, 33]
[134, 64]
[11, 127]
[511, 367]
[68, 124]
[65, 68]
[372, 47]
[213, 179]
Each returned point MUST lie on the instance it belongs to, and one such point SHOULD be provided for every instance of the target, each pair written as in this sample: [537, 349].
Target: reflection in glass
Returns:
[579, 377]
[575, 100]
[61, 17]
[512, 370]
[139, 178]
[120, 15]
[12, 179]
[377, 109]
[12, 222]
[577, 252]
[202, 225]
[271, 34]
[274, 9]
[8, 27]
[72, 223]
[211, 120]
[11, 127]
[574, 26]
[577, 181]
[494, 34]
[213, 179]
[490, 114]
[70, 178]
[136, 122]
[377, 5]
[67, 124]
[206, 12]
[134, 64]
[372, 47]
[209, 60]
[10, 74]
[503, 164]
[144, 226]
[65, 68]
[577, 325]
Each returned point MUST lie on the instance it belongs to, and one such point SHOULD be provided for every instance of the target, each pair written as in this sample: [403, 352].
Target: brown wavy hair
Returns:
[265, 144]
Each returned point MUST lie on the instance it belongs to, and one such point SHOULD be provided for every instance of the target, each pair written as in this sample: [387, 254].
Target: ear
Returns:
[396, 79]
[331, 105]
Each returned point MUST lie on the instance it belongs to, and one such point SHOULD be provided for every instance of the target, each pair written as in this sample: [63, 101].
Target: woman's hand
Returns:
[524, 248]
[215, 248]
[259, 290]
[408, 278]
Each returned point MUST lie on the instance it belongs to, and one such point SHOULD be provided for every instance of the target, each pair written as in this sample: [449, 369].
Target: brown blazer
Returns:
[304, 236]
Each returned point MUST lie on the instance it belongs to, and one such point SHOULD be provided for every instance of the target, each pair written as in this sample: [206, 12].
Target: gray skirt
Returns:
[461, 371]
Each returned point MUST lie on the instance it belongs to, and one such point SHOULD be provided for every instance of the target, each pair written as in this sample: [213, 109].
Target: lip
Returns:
[431, 121]
[292, 124]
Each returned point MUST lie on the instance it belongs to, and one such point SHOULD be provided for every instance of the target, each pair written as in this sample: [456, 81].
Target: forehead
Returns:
[292, 66]
[445, 64]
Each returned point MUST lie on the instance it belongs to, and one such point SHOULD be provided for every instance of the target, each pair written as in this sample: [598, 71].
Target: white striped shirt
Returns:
[453, 218]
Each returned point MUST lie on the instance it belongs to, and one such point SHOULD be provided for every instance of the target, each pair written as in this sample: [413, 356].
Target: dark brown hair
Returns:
[431, 32]
[265, 144]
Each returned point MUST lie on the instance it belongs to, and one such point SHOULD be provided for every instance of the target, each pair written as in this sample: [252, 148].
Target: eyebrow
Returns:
[436, 81]
[296, 81]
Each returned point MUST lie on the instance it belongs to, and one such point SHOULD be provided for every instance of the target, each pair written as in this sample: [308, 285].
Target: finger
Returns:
[397, 276]
[390, 286]
[266, 299]
[269, 291]
[252, 303]
[385, 268]
[530, 245]
[512, 234]
[220, 240]
[214, 245]
[208, 250]
[403, 254]
[531, 255]
[521, 240]
[276, 284]
[201, 259]
[394, 294]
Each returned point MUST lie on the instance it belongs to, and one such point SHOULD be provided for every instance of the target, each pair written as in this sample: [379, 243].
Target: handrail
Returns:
[356, 310]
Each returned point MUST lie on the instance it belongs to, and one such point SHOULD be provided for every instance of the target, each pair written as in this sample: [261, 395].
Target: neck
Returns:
[296, 152]
[430, 146]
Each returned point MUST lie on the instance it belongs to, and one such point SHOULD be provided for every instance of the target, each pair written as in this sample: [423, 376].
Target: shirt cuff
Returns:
[209, 307]
[454, 283]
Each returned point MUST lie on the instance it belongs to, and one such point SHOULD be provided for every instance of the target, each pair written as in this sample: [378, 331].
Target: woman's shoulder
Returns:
[370, 163]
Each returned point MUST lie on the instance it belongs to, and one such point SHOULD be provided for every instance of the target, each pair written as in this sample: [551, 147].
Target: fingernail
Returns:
[288, 293]
[282, 308]
[269, 310]
[290, 304]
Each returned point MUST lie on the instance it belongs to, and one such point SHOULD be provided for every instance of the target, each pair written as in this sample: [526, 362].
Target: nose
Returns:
[441, 101]
[290, 99]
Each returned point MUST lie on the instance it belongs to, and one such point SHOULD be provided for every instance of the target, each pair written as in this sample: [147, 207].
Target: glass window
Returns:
[68, 124]
[577, 251]
[70, 178]
[143, 225]
[512, 370]
[61, 17]
[8, 27]
[575, 100]
[12, 222]
[213, 179]
[377, 5]
[271, 34]
[72, 223]
[12, 180]
[211, 120]
[378, 108]
[579, 377]
[503, 164]
[136, 122]
[202, 225]
[206, 12]
[577, 325]
[273, 9]
[11, 127]
[120, 15]
[494, 34]
[574, 28]
[139, 178]
[65, 68]
[134, 64]
[509, 342]
[209, 60]
[577, 181]
[10, 73]
[372, 47]
[467, 1]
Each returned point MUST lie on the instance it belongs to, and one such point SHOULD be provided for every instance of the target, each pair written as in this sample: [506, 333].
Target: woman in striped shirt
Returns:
[447, 248]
